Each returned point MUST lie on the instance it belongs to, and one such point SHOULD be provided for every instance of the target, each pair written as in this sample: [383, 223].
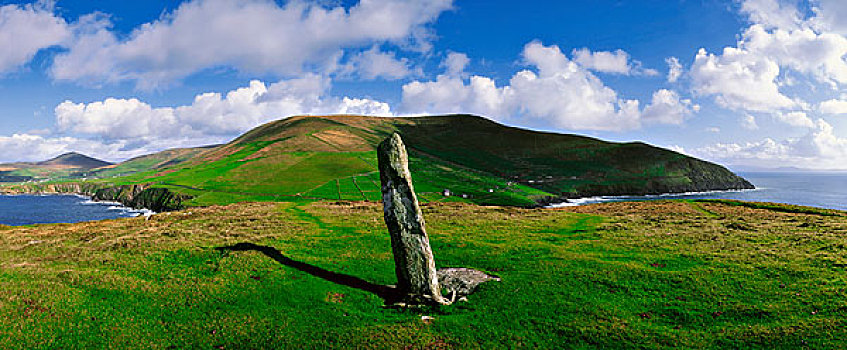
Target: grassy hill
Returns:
[149, 162]
[67, 165]
[478, 160]
[334, 158]
[650, 275]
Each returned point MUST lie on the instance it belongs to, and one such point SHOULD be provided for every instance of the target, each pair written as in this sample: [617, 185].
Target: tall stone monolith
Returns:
[413, 260]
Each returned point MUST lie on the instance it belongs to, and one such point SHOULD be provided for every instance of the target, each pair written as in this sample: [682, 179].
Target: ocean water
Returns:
[822, 190]
[34, 209]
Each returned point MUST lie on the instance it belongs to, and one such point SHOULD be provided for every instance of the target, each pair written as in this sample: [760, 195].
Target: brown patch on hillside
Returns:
[297, 144]
[161, 173]
[219, 153]
[344, 140]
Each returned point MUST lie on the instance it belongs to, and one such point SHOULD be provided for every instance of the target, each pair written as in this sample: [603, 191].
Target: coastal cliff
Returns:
[140, 196]
[692, 175]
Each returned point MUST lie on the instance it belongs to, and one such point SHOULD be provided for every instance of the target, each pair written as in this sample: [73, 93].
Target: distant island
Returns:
[462, 158]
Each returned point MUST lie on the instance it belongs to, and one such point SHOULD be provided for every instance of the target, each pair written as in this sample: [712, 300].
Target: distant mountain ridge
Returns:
[66, 160]
[76, 160]
[63, 166]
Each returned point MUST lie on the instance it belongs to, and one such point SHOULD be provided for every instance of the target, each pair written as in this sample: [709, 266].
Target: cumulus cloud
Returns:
[375, 64]
[115, 119]
[749, 122]
[833, 106]
[675, 69]
[603, 61]
[820, 149]
[799, 119]
[803, 50]
[211, 115]
[778, 46]
[739, 80]
[252, 36]
[557, 91]
[455, 63]
[616, 62]
[29, 147]
[831, 15]
[667, 107]
[117, 129]
[26, 29]
[771, 13]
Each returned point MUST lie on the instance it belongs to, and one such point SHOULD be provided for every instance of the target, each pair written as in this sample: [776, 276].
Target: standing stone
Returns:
[413, 260]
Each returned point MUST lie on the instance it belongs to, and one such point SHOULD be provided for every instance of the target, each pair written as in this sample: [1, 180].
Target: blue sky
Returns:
[747, 83]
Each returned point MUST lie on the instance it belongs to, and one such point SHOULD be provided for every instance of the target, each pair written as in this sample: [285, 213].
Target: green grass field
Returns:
[666, 274]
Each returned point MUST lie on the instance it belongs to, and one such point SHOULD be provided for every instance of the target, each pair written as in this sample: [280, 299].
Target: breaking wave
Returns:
[602, 199]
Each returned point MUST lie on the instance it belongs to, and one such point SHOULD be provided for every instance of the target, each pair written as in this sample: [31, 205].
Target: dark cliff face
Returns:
[133, 196]
[142, 197]
[694, 176]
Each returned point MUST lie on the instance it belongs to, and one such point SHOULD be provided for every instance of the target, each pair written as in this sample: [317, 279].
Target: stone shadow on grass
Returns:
[388, 293]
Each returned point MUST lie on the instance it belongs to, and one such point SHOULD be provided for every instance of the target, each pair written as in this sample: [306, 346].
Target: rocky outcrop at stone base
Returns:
[462, 281]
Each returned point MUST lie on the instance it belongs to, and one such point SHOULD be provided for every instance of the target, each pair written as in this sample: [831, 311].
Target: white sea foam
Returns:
[600, 199]
[117, 206]
[147, 213]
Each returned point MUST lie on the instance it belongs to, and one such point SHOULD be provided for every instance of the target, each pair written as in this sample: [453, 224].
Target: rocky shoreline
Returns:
[696, 176]
[139, 196]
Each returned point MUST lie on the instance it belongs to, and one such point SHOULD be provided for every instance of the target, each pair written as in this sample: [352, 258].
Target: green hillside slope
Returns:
[477, 160]
[154, 161]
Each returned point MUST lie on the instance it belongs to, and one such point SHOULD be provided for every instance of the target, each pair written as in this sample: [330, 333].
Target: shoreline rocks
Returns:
[139, 196]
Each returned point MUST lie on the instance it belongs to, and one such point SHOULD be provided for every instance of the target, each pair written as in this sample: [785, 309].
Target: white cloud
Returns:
[780, 43]
[799, 119]
[211, 115]
[251, 36]
[819, 149]
[675, 69]
[603, 61]
[115, 119]
[803, 50]
[117, 129]
[452, 95]
[831, 15]
[771, 13]
[713, 129]
[374, 64]
[749, 122]
[27, 29]
[557, 92]
[29, 147]
[833, 106]
[617, 62]
[739, 80]
[666, 107]
[455, 63]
